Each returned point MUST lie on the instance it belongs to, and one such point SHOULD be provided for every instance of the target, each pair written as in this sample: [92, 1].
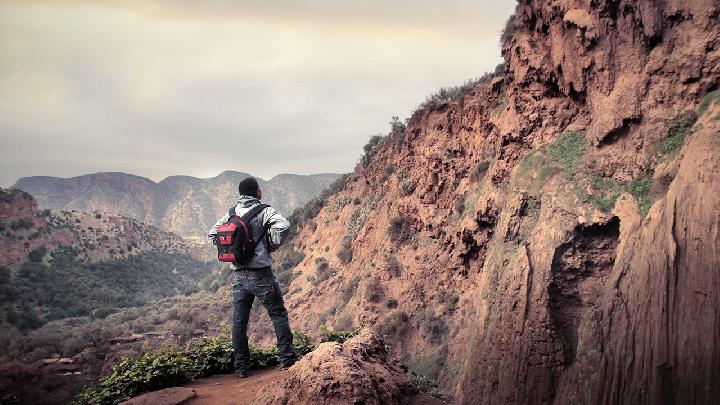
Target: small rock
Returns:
[581, 219]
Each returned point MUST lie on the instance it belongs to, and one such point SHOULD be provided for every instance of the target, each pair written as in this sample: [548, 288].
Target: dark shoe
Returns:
[289, 363]
[242, 374]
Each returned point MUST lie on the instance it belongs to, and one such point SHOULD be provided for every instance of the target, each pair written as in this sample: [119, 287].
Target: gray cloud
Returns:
[159, 88]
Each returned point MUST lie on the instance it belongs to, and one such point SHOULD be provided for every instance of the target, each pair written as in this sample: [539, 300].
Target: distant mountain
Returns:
[185, 205]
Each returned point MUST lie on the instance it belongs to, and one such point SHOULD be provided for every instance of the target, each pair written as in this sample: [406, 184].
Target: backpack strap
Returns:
[231, 213]
[253, 211]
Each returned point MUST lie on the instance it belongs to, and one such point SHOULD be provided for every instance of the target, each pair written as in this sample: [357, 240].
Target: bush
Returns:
[400, 231]
[166, 367]
[426, 385]
[345, 253]
[339, 336]
[322, 272]
[478, 172]
[374, 291]
[369, 148]
[392, 303]
[349, 291]
[38, 254]
[393, 266]
[396, 125]
[508, 32]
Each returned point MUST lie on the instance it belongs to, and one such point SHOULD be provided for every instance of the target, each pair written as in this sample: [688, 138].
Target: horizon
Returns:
[159, 88]
[175, 175]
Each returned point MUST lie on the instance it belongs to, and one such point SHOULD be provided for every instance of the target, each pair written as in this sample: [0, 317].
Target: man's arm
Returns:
[278, 227]
[212, 234]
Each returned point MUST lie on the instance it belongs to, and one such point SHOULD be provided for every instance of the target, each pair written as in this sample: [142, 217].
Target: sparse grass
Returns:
[678, 128]
[707, 100]
[567, 152]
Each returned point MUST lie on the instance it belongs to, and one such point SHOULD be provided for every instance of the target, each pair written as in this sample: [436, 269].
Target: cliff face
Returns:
[184, 205]
[550, 236]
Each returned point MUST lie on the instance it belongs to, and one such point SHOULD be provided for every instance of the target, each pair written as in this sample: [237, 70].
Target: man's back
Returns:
[277, 230]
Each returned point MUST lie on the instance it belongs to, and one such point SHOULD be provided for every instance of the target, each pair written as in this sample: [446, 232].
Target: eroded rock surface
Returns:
[360, 371]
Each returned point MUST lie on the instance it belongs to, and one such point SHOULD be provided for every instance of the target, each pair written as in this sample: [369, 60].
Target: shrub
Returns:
[167, 367]
[509, 31]
[38, 254]
[407, 187]
[345, 253]
[396, 125]
[478, 172]
[369, 148]
[322, 272]
[400, 231]
[394, 324]
[426, 385]
[393, 266]
[98, 216]
[339, 336]
[349, 291]
[374, 291]
[392, 303]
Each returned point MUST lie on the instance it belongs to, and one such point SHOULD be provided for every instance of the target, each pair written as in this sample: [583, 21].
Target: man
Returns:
[256, 279]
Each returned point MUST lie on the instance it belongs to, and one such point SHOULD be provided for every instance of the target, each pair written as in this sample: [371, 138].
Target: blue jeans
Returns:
[260, 283]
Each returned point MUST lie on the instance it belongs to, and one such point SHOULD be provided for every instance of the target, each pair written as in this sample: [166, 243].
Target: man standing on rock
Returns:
[256, 278]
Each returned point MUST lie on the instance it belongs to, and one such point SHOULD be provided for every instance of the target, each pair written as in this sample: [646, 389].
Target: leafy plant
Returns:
[426, 385]
[339, 336]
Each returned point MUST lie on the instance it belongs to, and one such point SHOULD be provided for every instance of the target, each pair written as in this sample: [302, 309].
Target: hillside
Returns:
[548, 235]
[185, 205]
[72, 281]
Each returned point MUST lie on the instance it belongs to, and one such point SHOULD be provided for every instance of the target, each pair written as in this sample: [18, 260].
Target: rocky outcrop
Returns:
[184, 205]
[550, 236]
[358, 371]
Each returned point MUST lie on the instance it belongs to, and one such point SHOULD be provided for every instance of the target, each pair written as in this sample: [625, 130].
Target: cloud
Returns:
[159, 88]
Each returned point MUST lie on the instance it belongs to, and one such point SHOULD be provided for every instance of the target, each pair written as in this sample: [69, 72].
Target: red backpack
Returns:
[235, 242]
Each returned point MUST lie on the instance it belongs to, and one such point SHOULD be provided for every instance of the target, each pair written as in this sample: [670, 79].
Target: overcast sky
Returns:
[195, 87]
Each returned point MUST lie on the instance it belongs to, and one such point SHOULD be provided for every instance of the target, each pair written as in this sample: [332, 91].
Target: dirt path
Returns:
[229, 389]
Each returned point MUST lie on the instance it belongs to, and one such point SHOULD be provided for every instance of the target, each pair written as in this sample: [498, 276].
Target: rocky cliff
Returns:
[550, 235]
[185, 205]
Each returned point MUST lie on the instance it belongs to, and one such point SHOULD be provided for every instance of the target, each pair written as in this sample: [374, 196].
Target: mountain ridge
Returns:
[185, 205]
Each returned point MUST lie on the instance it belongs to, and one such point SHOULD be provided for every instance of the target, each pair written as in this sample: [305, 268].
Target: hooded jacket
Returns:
[278, 228]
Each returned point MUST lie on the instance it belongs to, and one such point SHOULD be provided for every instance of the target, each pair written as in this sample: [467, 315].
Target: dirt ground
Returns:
[228, 389]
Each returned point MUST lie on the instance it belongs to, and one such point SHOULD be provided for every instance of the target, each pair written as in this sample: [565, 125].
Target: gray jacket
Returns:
[276, 234]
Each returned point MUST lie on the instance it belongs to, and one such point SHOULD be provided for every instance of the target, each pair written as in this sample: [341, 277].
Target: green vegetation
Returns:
[339, 336]
[167, 367]
[450, 93]
[707, 100]
[41, 291]
[678, 128]
[567, 152]
[426, 385]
